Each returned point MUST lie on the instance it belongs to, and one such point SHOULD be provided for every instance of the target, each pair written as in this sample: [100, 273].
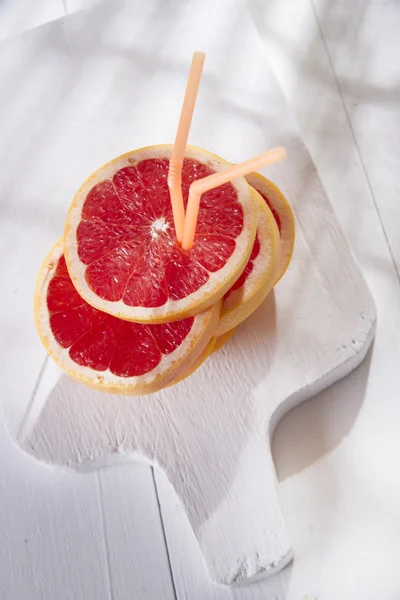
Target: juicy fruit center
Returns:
[97, 340]
[158, 227]
[126, 237]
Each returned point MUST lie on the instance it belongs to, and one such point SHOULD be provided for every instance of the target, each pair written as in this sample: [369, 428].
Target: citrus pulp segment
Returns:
[120, 245]
[108, 353]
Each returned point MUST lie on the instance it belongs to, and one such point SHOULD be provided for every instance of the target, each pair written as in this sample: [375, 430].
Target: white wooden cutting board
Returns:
[107, 81]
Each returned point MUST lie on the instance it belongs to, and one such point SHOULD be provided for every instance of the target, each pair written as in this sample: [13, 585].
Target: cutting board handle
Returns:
[241, 532]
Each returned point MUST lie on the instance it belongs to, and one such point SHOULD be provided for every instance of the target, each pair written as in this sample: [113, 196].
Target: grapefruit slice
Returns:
[283, 216]
[249, 291]
[259, 276]
[108, 353]
[120, 245]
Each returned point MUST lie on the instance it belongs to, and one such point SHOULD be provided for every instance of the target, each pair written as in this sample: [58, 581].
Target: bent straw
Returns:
[208, 183]
[178, 151]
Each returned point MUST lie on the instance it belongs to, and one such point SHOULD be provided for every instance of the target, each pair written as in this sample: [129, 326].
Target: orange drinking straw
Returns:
[178, 151]
[208, 183]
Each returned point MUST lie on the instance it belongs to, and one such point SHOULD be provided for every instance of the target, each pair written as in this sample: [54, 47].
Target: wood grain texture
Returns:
[279, 358]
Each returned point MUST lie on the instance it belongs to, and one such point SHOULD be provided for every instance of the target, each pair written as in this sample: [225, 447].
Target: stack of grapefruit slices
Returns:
[121, 307]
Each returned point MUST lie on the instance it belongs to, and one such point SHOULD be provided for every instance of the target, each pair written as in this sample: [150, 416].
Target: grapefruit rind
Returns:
[219, 282]
[221, 340]
[170, 368]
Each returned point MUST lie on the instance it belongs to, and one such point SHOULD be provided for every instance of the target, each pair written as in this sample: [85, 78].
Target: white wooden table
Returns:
[114, 534]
